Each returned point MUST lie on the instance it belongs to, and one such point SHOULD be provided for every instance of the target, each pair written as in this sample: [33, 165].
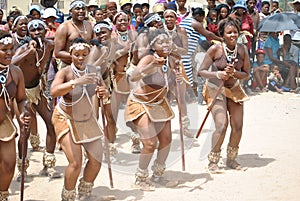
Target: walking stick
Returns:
[25, 133]
[210, 108]
[180, 120]
[232, 61]
[105, 130]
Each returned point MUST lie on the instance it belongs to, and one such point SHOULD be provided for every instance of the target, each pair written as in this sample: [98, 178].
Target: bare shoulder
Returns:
[49, 44]
[145, 60]
[242, 49]
[15, 69]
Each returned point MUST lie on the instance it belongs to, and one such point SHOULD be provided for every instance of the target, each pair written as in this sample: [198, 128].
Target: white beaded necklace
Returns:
[3, 78]
[38, 61]
[77, 72]
[230, 54]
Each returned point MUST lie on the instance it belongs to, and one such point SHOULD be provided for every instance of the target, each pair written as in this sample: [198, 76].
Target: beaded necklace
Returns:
[230, 54]
[3, 79]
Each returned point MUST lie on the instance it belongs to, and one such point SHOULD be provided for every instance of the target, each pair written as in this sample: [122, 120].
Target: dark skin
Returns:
[220, 109]
[26, 58]
[69, 30]
[8, 148]
[152, 133]
[61, 86]
[104, 57]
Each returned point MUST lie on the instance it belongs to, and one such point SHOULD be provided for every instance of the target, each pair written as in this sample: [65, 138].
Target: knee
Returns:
[150, 145]
[75, 165]
[221, 127]
[237, 129]
[9, 167]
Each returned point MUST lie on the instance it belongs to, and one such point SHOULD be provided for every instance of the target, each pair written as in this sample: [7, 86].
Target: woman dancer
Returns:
[75, 120]
[147, 111]
[11, 87]
[230, 63]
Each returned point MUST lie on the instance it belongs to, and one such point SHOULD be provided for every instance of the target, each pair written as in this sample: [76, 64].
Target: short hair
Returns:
[198, 11]
[154, 33]
[229, 21]
[264, 3]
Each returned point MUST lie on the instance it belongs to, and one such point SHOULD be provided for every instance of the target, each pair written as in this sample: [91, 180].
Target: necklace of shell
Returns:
[3, 78]
[230, 54]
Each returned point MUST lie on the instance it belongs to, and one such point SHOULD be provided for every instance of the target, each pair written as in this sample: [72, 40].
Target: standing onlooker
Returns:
[253, 13]
[265, 10]
[111, 8]
[145, 8]
[275, 7]
[35, 12]
[223, 11]
[240, 12]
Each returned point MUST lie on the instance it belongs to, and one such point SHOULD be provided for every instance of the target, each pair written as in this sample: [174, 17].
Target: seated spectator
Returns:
[260, 70]
[287, 69]
[276, 82]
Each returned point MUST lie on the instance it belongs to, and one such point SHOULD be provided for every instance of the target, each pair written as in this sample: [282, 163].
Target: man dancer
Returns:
[76, 27]
[33, 58]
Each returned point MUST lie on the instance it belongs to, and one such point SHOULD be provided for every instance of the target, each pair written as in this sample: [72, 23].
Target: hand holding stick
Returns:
[213, 102]
[105, 129]
[180, 116]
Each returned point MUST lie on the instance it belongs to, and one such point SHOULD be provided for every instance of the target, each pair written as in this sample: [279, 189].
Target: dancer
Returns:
[33, 58]
[230, 63]
[75, 120]
[12, 87]
[148, 111]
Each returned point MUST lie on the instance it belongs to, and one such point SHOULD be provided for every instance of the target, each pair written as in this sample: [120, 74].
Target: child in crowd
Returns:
[276, 82]
[260, 71]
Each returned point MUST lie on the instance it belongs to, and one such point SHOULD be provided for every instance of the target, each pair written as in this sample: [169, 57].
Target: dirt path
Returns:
[269, 147]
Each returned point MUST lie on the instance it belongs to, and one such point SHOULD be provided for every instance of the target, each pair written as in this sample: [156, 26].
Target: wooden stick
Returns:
[105, 130]
[210, 108]
[25, 132]
[180, 119]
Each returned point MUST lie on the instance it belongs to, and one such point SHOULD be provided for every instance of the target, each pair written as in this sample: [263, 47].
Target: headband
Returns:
[160, 36]
[170, 10]
[17, 19]
[155, 17]
[98, 27]
[118, 14]
[79, 46]
[36, 23]
[77, 4]
[6, 40]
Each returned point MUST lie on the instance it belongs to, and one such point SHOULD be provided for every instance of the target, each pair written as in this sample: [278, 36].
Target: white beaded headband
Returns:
[155, 17]
[79, 46]
[77, 4]
[160, 36]
[36, 23]
[119, 14]
[17, 19]
[170, 10]
[98, 27]
[6, 40]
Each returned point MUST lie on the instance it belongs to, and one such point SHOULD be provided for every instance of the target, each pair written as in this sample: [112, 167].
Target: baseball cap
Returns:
[50, 12]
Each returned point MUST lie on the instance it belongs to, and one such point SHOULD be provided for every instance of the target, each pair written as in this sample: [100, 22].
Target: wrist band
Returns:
[72, 84]
[217, 75]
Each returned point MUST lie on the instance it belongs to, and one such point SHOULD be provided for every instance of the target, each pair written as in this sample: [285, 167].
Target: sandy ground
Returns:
[269, 148]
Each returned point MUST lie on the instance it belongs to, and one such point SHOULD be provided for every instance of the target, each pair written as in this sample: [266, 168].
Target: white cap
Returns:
[49, 12]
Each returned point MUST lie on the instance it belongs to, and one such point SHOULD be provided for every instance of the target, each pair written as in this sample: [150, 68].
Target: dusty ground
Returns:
[269, 147]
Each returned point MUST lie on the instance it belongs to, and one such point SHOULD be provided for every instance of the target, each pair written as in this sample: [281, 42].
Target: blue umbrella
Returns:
[279, 22]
